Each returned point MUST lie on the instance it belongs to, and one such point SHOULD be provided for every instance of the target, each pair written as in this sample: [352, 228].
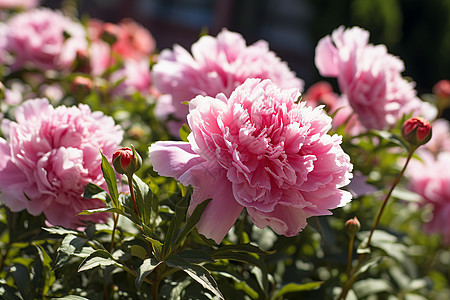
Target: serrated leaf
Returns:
[296, 287]
[99, 258]
[69, 245]
[111, 181]
[21, 276]
[93, 191]
[192, 221]
[196, 272]
[146, 268]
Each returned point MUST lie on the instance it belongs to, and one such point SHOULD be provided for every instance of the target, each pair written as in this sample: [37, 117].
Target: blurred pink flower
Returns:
[135, 76]
[430, 178]
[50, 155]
[44, 39]
[131, 41]
[370, 77]
[322, 93]
[440, 139]
[25, 4]
[217, 65]
[261, 151]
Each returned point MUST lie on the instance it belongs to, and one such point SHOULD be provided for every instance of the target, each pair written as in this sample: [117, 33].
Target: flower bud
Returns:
[416, 131]
[126, 161]
[352, 226]
[442, 89]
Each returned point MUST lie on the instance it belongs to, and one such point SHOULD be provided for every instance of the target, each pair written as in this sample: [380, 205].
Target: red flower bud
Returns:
[352, 226]
[416, 131]
[126, 161]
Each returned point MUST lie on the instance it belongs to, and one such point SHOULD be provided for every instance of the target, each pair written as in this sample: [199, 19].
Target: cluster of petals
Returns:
[369, 77]
[43, 38]
[50, 155]
[260, 150]
[216, 65]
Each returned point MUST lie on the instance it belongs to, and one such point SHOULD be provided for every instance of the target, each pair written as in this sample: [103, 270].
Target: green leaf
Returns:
[69, 245]
[144, 201]
[48, 276]
[196, 272]
[370, 263]
[111, 181]
[71, 297]
[7, 292]
[192, 221]
[175, 224]
[157, 246]
[99, 258]
[60, 230]
[101, 210]
[195, 256]
[371, 286]
[21, 277]
[184, 132]
[93, 191]
[296, 287]
[246, 248]
[146, 268]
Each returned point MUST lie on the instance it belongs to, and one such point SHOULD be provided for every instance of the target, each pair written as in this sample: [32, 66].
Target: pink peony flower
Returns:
[25, 4]
[44, 39]
[370, 77]
[135, 76]
[430, 178]
[217, 65]
[440, 140]
[261, 151]
[50, 155]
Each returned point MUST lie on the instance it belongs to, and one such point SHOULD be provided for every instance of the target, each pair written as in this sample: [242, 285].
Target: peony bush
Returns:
[134, 172]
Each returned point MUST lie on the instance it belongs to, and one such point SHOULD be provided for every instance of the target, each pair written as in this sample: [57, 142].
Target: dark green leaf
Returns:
[69, 245]
[146, 268]
[71, 297]
[175, 224]
[48, 276]
[21, 277]
[144, 201]
[111, 181]
[196, 272]
[246, 248]
[195, 256]
[296, 287]
[93, 191]
[99, 258]
[7, 292]
[60, 230]
[192, 221]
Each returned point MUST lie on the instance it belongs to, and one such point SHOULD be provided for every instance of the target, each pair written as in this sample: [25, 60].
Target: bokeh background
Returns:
[416, 30]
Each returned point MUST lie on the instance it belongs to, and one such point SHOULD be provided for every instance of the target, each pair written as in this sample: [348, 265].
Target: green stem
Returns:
[116, 219]
[352, 279]
[130, 184]
[349, 255]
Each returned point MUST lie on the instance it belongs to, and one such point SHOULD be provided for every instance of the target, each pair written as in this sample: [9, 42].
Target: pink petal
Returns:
[326, 59]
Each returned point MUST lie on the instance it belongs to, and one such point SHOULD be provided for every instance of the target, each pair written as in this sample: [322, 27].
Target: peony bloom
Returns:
[217, 65]
[370, 77]
[25, 4]
[261, 151]
[430, 178]
[50, 155]
[44, 39]
[440, 140]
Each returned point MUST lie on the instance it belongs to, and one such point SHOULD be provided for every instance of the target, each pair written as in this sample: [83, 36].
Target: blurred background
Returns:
[416, 30]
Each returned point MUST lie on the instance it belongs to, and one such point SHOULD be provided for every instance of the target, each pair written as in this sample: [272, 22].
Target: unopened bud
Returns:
[352, 226]
[81, 86]
[416, 131]
[126, 161]
[442, 88]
